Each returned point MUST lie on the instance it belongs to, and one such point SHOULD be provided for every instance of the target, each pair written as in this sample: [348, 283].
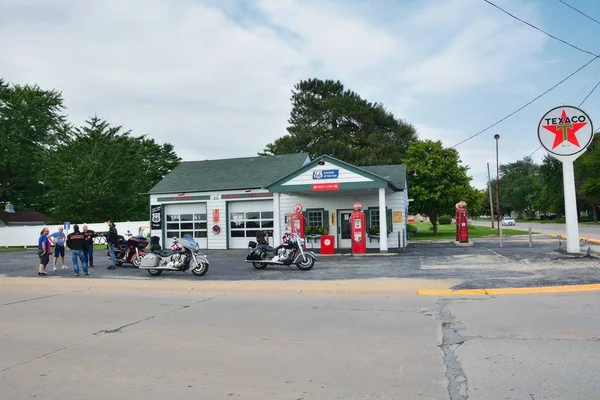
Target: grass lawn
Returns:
[17, 248]
[448, 232]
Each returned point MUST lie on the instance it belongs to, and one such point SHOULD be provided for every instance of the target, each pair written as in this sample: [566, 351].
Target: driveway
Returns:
[585, 230]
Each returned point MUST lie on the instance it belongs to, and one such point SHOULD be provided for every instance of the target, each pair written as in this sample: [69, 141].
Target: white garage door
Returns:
[247, 217]
[186, 219]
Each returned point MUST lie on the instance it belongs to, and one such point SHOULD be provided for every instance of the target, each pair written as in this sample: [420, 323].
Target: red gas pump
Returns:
[297, 221]
[358, 230]
[462, 222]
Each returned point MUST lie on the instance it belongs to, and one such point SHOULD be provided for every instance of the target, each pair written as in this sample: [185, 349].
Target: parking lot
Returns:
[484, 265]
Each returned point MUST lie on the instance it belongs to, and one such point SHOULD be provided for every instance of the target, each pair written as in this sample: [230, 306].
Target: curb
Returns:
[582, 239]
[525, 290]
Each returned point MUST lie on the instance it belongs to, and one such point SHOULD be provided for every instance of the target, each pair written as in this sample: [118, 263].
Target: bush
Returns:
[412, 229]
[445, 220]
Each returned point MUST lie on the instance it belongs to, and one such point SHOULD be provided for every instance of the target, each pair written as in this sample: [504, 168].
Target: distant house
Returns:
[20, 218]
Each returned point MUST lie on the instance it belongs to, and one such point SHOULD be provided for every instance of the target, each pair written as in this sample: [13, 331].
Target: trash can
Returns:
[327, 245]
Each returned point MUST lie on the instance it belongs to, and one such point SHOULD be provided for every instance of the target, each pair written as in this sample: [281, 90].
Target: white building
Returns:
[222, 203]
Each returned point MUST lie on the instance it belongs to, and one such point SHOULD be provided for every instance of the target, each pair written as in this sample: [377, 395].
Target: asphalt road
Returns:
[486, 265]
[112, 345]
[585, 230]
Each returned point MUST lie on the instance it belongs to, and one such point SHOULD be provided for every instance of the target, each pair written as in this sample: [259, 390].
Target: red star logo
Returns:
[565, 130]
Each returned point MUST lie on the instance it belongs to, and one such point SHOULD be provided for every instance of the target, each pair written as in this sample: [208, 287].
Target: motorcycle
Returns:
[130, 251]
[291, 252]
[182, 256]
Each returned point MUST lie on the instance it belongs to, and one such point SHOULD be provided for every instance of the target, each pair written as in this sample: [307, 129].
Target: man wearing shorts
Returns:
[59, 239]
[44, 251]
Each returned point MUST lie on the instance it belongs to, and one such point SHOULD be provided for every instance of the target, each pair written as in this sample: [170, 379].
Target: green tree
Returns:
[31, 121]
[520, 186]
[587, 172]
[100, 172]
[328, 119]
[551, 198]
[441, 180]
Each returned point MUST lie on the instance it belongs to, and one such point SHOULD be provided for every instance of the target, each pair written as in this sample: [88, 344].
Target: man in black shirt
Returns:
[76, 242]
[89, 245]
[111, 240]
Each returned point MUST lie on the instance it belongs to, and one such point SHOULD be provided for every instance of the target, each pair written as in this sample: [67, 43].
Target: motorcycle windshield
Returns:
[191, 242]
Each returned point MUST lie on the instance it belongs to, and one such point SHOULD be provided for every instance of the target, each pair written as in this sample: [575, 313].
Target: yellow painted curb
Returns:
[525, 290]
[587, 240]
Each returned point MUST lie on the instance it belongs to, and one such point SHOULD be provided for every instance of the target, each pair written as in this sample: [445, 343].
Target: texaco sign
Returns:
[565, 131]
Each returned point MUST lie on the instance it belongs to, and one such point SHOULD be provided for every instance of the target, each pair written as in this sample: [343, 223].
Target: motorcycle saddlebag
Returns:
[252, 244]
[150, 260]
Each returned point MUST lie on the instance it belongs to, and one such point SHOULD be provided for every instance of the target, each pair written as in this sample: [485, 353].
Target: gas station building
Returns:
[223, 203]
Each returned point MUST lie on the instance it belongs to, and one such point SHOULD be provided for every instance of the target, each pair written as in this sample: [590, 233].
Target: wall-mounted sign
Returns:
[182, 198]
[297, 208]
[397, 217]
[332, 219]
[216, 229]
[156, 216]
[326, 173]
[324, 187]
[245, 195]
[216, 216]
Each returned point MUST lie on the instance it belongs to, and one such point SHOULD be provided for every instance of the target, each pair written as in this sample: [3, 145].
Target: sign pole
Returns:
[566, 132]
[572, 223]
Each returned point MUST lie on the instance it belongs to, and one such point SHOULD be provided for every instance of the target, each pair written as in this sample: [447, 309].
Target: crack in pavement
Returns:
[451, 340]
[41, 297]
[106, 331]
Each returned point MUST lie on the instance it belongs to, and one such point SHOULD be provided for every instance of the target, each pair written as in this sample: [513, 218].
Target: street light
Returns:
[496, 136]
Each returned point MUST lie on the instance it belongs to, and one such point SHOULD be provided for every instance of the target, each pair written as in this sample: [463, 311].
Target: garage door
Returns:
[186, 219]
[247, 217]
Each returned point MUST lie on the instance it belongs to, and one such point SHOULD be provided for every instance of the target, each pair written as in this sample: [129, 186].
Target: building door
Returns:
[344, 241]
[186, 219]
[246, 218]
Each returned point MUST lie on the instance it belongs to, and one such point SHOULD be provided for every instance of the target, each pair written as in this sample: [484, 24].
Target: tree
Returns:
[587, 171]
[100, 172]
[551, 198]
[328, 119]
[520, 186]
[441, 180]
[30, 121]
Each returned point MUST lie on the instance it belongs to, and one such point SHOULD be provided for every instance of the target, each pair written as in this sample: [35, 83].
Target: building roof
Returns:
[228, 174]
[395, 174]
[23, 216]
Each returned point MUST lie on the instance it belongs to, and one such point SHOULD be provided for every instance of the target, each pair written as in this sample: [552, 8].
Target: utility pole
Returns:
[490, 192]
[496, 136]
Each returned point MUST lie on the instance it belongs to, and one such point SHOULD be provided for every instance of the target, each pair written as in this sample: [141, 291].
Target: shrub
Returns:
[445, 220]
[412, 229]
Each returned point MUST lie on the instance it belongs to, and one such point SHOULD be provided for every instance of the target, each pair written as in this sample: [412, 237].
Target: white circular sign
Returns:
[565, 131]
[326, 242]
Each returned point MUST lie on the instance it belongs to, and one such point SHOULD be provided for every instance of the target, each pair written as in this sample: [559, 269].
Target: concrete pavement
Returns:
[97, 345]
[585, 230]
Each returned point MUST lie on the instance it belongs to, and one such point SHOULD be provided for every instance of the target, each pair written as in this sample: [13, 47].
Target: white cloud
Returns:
[214, 77]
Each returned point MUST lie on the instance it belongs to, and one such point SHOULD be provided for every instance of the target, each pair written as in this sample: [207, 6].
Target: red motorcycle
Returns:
[131, 251]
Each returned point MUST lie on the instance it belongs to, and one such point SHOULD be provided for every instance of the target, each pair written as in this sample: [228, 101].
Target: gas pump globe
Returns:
[462, 222]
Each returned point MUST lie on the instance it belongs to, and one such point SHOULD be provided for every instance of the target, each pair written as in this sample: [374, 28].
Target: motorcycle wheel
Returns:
[306, 265]
[155, 272]
[200, 269]
[137, 261]
[259, 265]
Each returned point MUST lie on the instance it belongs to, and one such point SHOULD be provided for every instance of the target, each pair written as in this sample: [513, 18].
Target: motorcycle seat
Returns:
[165, 252]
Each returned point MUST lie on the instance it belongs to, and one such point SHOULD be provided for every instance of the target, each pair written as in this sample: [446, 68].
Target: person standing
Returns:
[76, 242]
[89, 245]
[59, 246]
[44, 251]
[112, 239]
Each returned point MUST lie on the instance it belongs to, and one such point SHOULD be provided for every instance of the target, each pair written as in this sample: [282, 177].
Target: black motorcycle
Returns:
[291, 252]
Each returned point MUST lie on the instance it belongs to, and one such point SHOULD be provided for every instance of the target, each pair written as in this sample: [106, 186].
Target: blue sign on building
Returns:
[326, 173]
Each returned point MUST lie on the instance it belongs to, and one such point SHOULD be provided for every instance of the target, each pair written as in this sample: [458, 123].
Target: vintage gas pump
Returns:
[462, 223]
[358, 230]
[297, 221]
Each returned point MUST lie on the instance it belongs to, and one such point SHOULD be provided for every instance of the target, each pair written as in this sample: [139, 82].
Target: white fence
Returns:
[13, 236]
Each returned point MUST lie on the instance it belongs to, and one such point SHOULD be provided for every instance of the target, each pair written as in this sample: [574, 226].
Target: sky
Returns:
[214, 77]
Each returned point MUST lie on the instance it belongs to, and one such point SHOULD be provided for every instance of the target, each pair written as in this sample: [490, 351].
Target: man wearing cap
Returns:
[76, 242]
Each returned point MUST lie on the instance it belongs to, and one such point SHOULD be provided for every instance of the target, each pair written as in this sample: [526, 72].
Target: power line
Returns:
[526, 104]
[580, 12]
[589, 94]
[535, 151]
[541, 30]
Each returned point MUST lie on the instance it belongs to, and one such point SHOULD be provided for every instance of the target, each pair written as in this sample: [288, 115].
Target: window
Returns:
[374, 217]
[315, 218]
[246, 224]
[179, 225]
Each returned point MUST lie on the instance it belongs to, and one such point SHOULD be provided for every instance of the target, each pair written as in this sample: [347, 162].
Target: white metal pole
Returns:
[277, 221]
[571, 207]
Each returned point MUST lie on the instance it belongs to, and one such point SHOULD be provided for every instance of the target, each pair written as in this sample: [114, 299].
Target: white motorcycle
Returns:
[183, 256]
